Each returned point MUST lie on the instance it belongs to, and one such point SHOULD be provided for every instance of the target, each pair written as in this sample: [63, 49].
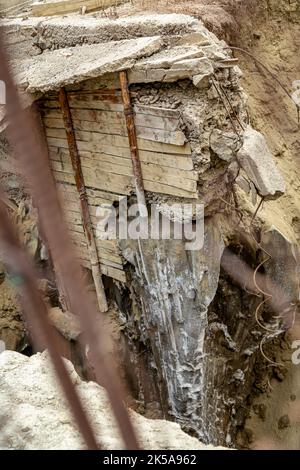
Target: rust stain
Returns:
[132, 137]
[85, 212]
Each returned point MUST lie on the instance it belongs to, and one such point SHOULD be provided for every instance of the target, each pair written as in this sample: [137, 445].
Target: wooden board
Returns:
[119, 177]
[69, 6]
[118, 183]
[95, 196]
[104, 181]
[110, 140]
[85, 102]
[114, 273]
[167, 123]
[147, 133]
[156, 111]
[165, 160]
[108, 247]
[119, 165]
[104, 258]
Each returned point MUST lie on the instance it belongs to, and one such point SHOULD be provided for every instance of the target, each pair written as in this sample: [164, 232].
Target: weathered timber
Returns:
[109, 247]
[181, 162]
[95, 196]
[86, 102]
[100, 180]
[172, 178]
[118, 185]
[120, 141]
[119, 165]
[69, 6]
[86, 219]
[107, 259]
[106, 270]
[95, 95]
[147, 133]
[156, 111]
[91, 115]
[142, 119]
[122, 183]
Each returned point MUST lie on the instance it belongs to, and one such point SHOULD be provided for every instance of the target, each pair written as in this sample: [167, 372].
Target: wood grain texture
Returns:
[69, 6]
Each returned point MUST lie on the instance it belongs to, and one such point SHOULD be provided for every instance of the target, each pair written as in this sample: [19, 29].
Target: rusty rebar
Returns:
[255, 282]
[84, 204]
[132, 137]
[227, 110]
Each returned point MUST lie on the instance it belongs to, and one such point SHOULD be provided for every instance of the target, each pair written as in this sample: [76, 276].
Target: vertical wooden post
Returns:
[134, 152]
[84, 206]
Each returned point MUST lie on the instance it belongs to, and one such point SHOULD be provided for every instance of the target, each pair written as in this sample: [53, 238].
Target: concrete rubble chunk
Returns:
[194, 38]
[65, 322]
[168, 57]
[37, 416]
[257, 161]
[223, 144]
[283, 269]
[202, 80]
[201, 70]
[194, 65]
[171, 65]
[146, 76]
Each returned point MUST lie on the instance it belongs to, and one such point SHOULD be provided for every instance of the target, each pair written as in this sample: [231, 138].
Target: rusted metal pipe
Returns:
[134, 152]
[84, 205]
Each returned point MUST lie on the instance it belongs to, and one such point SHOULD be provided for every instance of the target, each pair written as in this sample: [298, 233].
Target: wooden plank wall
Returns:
[101, 134]
[109, 254]
[68, 6]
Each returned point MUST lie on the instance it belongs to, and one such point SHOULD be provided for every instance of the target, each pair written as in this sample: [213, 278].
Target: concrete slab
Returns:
[52, 70]
[256, 159]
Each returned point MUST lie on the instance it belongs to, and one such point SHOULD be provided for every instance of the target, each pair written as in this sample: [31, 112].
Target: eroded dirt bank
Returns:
[274, 39]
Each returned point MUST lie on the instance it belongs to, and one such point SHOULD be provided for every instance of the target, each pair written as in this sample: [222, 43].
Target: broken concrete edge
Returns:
[44, 73]
[275, 233]
[99, 30]
[258, 163]
[52, 35]
[53, 70]
[225, 144]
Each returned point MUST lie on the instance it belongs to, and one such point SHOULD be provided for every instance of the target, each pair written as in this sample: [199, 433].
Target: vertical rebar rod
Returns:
[84, 205]
[134, 152]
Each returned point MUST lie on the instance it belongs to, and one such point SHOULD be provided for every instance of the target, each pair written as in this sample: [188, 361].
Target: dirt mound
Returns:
[37, 417]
